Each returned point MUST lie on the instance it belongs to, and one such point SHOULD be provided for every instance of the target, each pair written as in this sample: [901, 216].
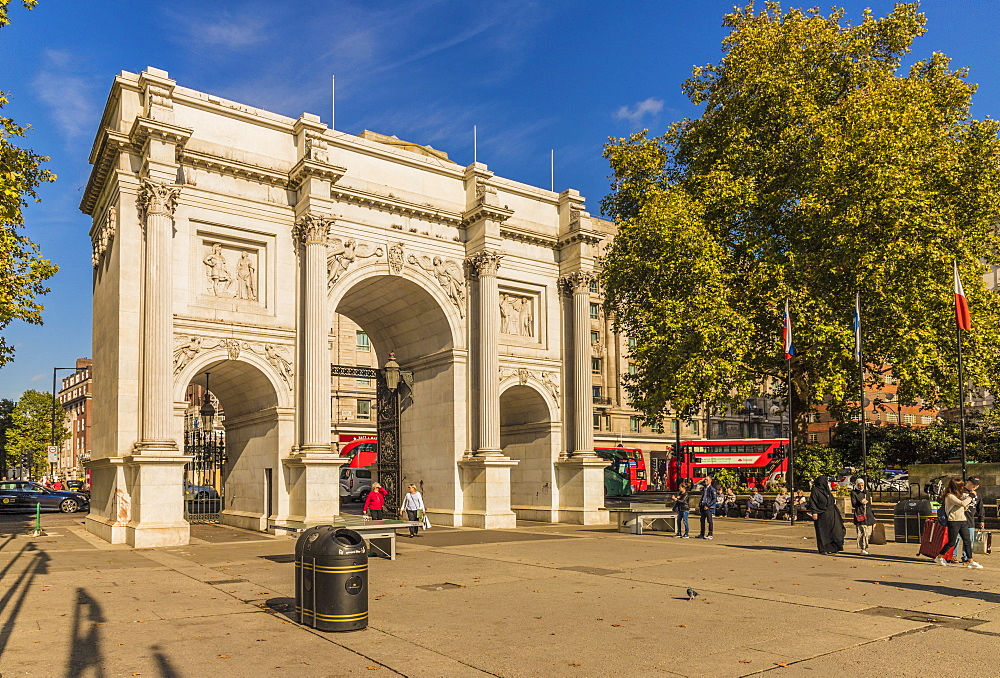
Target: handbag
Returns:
[983, 543]
[878, 535]
[427, 522]
[859, 518]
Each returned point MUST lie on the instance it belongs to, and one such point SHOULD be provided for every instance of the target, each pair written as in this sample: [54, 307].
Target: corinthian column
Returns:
[156, 203]
[485, 266]
[311, 233]
[583, 433]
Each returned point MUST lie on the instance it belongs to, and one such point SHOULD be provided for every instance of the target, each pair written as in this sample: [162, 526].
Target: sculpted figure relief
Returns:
[515, 316]
[341, 256]
[217, 272]
[280, 363]
[448, 275]
[183, 352]
[246, 278]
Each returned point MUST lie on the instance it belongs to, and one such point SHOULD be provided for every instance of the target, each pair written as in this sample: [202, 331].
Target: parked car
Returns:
[25, 495]
[196, 492]
[357, 482]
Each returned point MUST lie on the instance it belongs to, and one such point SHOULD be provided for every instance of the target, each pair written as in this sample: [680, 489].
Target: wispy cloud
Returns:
[637, 113]
[38, 377]
[225, 30]
[71, 98]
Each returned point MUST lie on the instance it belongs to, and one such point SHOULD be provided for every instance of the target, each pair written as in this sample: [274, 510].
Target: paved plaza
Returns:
[542, 600]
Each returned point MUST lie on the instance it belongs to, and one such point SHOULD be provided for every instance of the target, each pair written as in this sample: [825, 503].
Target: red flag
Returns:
[962, 316]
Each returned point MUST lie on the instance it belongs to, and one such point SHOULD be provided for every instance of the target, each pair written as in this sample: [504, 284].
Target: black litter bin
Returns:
[908, 519]
[331, 579]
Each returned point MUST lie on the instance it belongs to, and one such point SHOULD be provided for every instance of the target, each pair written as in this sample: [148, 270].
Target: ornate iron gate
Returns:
[203, 486]
[387, 405]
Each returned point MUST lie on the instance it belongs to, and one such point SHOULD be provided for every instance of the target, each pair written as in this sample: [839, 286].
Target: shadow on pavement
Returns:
[167, 669]
[36, 566]
[985, 596]
[85, 645]
[284, 607]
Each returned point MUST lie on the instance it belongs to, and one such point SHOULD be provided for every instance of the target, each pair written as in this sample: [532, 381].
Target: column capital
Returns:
[156, 199]
[484, 263]
[578, 283]
[311, 228]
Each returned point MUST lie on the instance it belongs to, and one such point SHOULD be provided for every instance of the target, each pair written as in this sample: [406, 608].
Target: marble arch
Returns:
[226, 236]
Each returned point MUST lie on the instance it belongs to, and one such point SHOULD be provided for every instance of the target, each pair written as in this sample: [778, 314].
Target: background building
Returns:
[75, 398]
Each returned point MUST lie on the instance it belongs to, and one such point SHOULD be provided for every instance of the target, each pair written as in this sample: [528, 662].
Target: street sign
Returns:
[53, 451]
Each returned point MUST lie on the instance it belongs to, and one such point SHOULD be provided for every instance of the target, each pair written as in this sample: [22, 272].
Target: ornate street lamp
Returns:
[391, 372]
[207, 410]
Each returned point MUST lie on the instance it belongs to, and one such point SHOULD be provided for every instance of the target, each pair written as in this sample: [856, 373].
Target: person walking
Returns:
[864, 518]
[375, 502]
[977, 512]
[956, 501]
[682, 505]
[413, 504]
[706, 507]
[827, 521]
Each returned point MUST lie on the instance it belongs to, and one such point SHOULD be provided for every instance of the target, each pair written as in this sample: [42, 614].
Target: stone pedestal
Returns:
[110, 506]
[486, 481]
[581, 489]
[314, 490]
[156, 485]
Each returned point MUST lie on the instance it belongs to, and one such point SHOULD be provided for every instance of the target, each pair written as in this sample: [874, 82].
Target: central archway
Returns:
[413, 318]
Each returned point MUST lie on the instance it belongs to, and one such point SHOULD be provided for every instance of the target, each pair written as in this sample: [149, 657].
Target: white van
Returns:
[356, 482]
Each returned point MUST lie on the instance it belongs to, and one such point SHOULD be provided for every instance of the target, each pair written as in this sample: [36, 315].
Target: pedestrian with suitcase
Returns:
[864, 517]
[956, 501]
[977, 512]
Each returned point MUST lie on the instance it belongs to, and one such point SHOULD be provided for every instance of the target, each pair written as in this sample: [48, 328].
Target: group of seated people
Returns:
[728, 506]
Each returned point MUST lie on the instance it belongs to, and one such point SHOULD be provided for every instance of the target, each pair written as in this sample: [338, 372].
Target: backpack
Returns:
[942, 515]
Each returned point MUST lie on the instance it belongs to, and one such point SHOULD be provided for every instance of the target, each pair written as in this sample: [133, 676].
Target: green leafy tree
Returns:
[817, 168]
[727, 478]
[22, 268]
[6, 412]
[31, 430]
[815, 460]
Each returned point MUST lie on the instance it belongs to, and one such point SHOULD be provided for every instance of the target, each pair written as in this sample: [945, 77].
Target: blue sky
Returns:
[533, 76]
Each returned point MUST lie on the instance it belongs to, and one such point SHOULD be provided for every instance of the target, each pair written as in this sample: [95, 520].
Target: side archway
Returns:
[529, 435]
[259, 423]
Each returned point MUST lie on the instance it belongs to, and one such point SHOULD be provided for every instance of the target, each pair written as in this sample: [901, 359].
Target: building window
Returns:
[926, 420]
[632, 368]
[594, 311]
[633, 424]
[631, 342]
[363, 382]
[593, 287]
[909, 418]
[363, 343]
[596, 391]
[597, 422]
[891, 416]
[595, 365]
[694, 427]
[675, 427]
[595, 337]
[364, 410]
[814, 437]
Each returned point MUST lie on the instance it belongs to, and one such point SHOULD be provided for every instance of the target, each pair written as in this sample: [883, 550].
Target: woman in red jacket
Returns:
[375, 502]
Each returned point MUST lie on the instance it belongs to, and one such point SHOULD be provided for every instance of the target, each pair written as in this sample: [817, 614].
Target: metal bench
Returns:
[380, 535]
[639, 517]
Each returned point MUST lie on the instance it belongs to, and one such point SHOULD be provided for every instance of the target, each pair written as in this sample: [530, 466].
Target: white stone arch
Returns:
[534, 381]
[377, 269]
[214, 356]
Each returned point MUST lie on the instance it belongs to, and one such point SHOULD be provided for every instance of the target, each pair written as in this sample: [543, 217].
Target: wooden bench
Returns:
[380, 535]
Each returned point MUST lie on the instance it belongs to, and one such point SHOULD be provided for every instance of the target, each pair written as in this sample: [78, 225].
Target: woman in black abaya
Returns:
[826, 517]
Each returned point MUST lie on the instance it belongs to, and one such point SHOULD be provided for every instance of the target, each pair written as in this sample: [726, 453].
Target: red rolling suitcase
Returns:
[934, 538]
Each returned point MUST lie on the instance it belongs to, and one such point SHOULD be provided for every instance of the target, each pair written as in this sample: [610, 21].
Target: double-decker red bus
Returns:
[756, 461]
[628, 463]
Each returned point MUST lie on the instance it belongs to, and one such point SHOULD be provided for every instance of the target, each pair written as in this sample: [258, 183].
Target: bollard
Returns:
[38, 522]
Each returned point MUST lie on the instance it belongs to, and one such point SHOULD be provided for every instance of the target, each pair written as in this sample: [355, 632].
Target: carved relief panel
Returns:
[228, 269]
[521, 315]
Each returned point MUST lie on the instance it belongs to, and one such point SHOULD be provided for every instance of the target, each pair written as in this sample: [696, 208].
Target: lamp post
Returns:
[748, 404]
[52, 429]
[207, 410]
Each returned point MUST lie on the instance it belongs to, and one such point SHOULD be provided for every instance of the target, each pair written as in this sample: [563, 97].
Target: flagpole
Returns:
[861, 403]
[961, 405]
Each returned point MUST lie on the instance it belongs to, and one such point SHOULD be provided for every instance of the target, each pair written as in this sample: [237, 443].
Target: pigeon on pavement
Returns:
[692, 594]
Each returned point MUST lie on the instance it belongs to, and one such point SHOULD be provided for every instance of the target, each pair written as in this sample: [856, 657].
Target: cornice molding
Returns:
[484, 212]
[395, 206]
[530, 237]
[112, 145]
[587, 237]
[145, 128]
[307, 168]
[233, 168]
